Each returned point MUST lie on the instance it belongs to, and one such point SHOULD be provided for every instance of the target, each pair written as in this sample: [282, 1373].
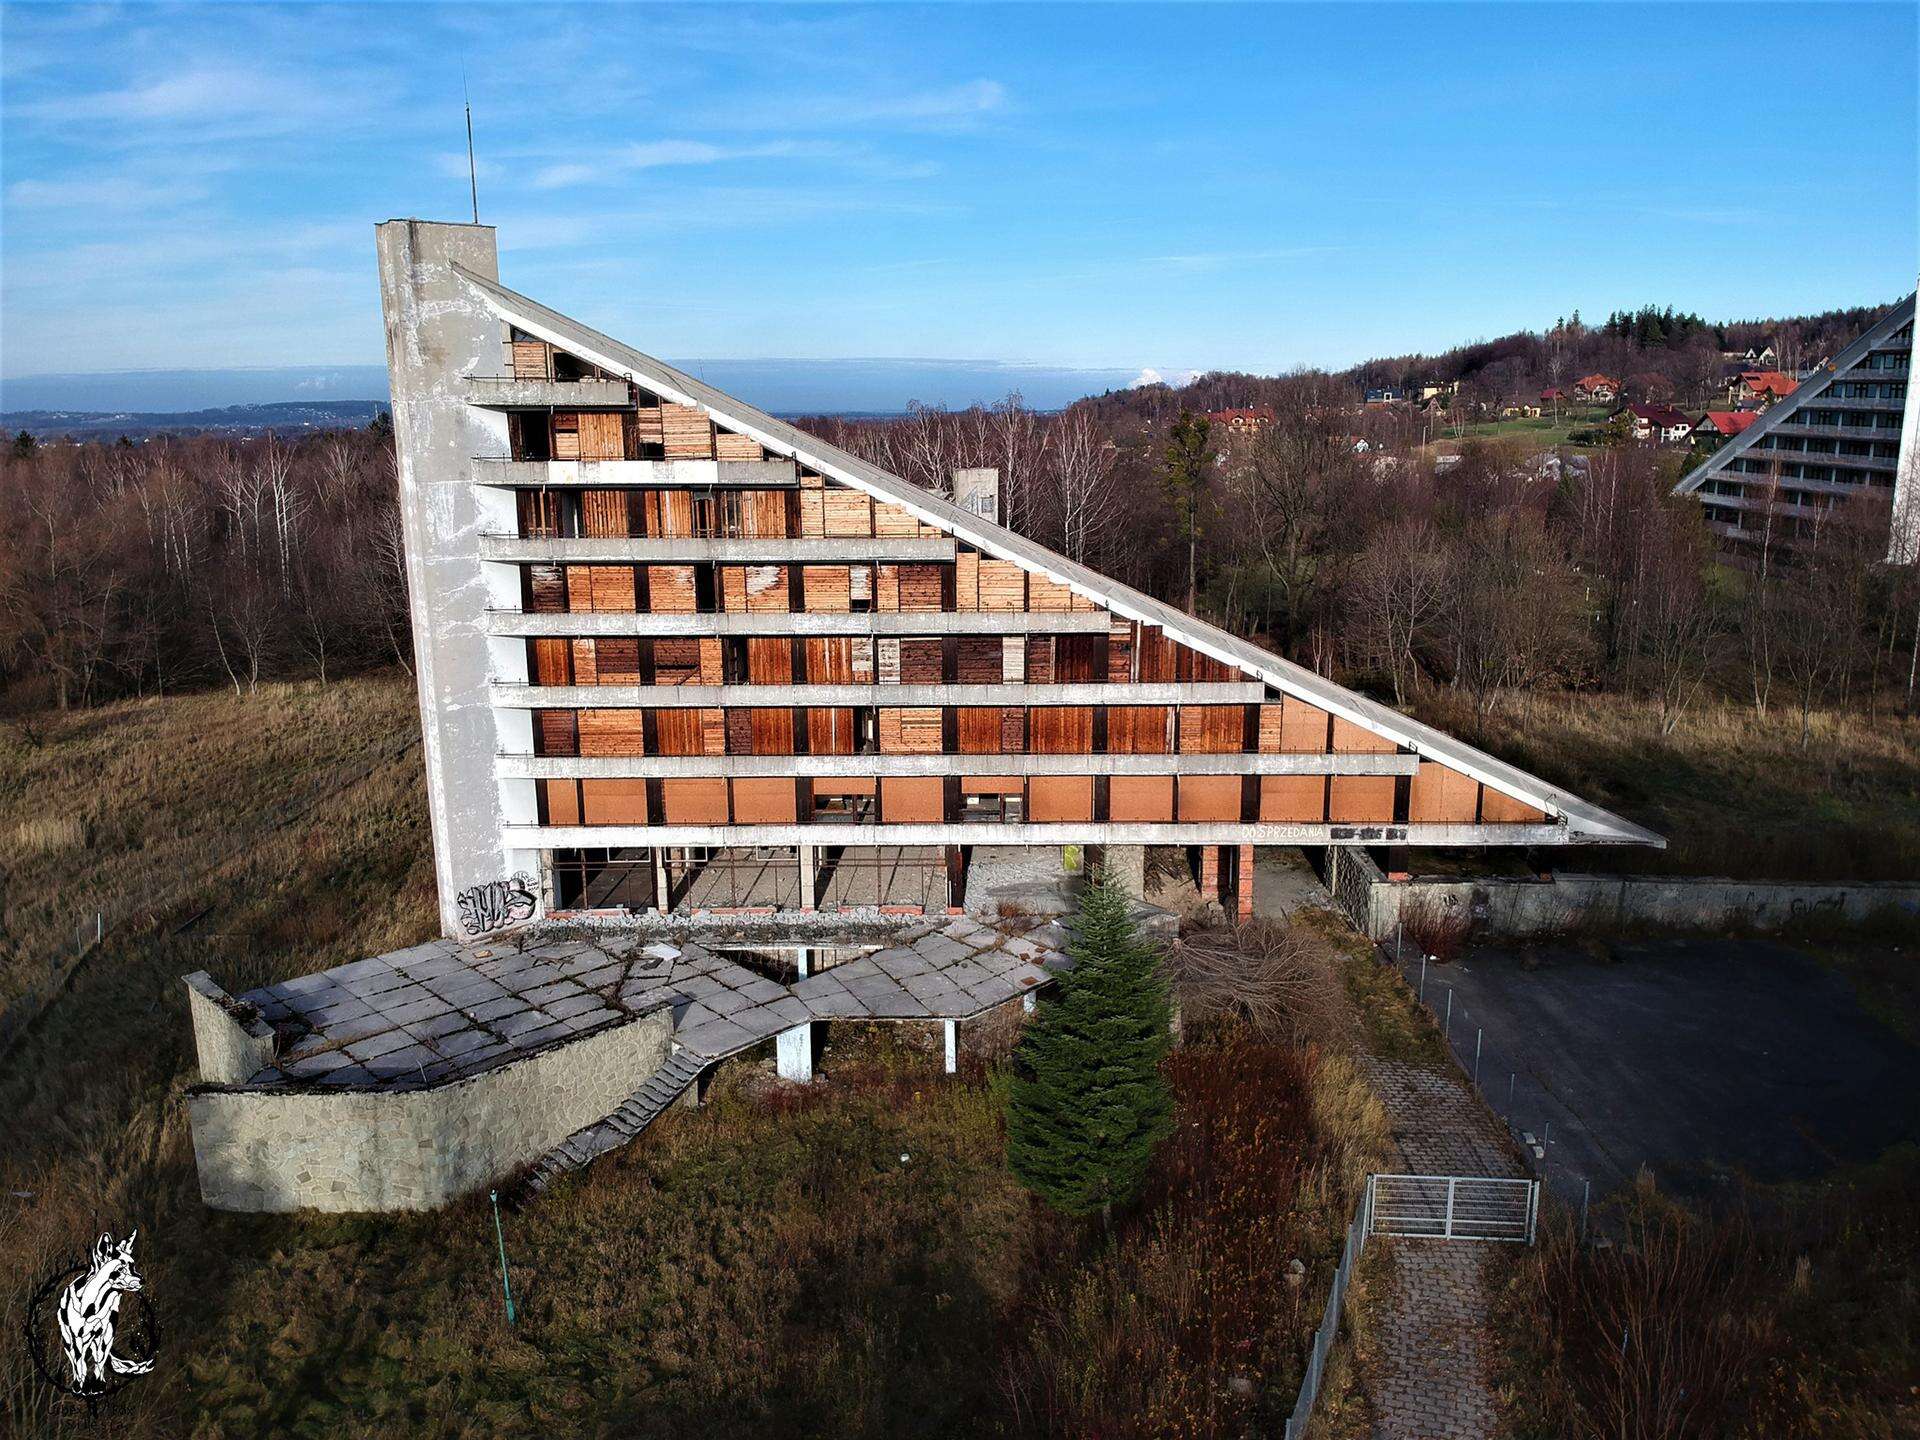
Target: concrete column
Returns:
[795, 1053]
[662, 896]
[809, 866]
[1243, 883]
[952, 1027]
[1210, 872]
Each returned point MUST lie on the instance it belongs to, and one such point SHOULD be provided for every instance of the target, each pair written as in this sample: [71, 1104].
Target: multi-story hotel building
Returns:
[1848, 430]
[674, 652]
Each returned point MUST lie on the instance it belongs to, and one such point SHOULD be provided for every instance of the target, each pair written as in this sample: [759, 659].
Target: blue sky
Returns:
[1117, 187]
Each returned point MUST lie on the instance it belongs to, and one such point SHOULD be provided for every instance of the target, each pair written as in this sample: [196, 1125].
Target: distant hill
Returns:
[284, 417]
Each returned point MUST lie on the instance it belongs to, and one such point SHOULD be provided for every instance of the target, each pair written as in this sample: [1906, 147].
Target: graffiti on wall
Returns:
[497, 903]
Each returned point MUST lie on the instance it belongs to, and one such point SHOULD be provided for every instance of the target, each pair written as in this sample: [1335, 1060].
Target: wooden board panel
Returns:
[1293, 799]
[920, 662]
[530, 360]
[1079, 659]
[739, 732]
[888, 651]
[1303, 728]
[977, 729]
[1048, 595]
[848, 514]
[1498, 808]
[693, 802]
[611, 732]
[767, 591]
[1120, 651]
[647, 425]
[829, 732]
[1212, 729]
[1441, 795]
[1139, 729]
[556, 732]
[712, 664]
[561, 801]
[1060, 798]
[603, 514]
[827, 589]
[585, 670]
[602, 435]
[686, 432]
[909, 731]
[713, 735]
[1060, 730]
[772, 730]
[676, 662]
[886, 594]
[613, 802]
[548, 587]
[1352, 739]
[729, 446]
[1209, 798]
[763, 514]
[617, 658]
[765, 802]
[920, 588]
[982, 658]
[992, 785]
[829, 661]
[675, 517]
[613, 588]
[1361, 799]
[670, 590]
[552, 662]
[1272, 728]
[769, 660]
[1040, 660]
[1013, 659]
[966, 581]
[566, 435]
[1013, 729]
[538, 512]
[579, 587]
[813, 513]
[1140, 799]
[1003, 585]
[893, 520]
[909, 800]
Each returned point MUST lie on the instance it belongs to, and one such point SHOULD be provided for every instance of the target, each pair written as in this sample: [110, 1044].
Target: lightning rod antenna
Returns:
[473, 171]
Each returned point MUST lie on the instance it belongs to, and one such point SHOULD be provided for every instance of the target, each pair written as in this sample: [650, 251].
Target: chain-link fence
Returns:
[1323, 1338]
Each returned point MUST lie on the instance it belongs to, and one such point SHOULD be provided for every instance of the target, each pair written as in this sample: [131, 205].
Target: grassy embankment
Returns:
[769, 1263]
[1734, 794]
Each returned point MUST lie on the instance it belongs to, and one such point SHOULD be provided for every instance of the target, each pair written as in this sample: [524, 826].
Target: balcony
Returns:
[618, 623]
[589, 474]
[650, 550]
[602, 697]
[743, 767]
[505, 392]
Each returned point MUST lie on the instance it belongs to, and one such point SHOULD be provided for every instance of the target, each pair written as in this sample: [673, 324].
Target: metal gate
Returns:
[1453, 1207]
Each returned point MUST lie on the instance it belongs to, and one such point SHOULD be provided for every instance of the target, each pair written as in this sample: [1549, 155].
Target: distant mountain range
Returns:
[135, 402]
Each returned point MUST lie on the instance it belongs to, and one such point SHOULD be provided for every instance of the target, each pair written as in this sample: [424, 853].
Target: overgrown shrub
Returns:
[1277, 978]
[1434, 927]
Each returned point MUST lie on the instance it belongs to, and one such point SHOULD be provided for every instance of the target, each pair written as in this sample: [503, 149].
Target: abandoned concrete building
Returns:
[684, 669]
[1849, 430]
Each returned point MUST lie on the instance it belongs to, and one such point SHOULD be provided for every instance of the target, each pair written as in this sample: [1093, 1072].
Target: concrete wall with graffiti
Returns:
[1562, 904]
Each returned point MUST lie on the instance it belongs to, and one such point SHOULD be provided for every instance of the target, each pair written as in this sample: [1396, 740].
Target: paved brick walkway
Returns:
[1427, 1376]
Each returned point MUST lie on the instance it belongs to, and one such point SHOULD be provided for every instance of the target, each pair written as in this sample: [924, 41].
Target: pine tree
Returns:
[1087, 1104]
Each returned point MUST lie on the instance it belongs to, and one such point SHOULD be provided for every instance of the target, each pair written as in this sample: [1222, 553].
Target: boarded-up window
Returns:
[602, 435]
[772, 730]
[1212, 729]
[585, 670]
[566, 435]
[829, 661]
[530, 360]
[966, 580]
[1138, 729]
[764, 802]
[1209, 797]
[617, 660]
[1139, 798]
[670, 590]
[1040, 660]
[914, 800]
[1003, 585]
[1441, 795]
[1047, 595]
[1272, 718]
[1060, 730]
[1361, 799]
[829, 732]
[676, 662]
[1499, 809]
[613, 802]
[977, 729]
[769, 660]
[670, 514]
[694, 802]
[910, 731]
[686, 432]
[847, 514]
[761, 589]
[1060, 798]
[1079, 659]
[554, 732]
[600, 587]
[729, 446]
[547, 587]
[919, 662]
[1293, 799]
[1013, 729]
[690, 732]
[763, 514]
[561, 801]
[551, 663]
[828, 589]
[1352, 739]
[539, 512]
[893, 520]
[1120, 651]
[919, 587]
[981, 660]
[604, 514]
[611, 732]
[1303, 728]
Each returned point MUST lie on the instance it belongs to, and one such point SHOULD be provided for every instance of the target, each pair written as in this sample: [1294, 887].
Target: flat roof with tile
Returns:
[446, 1010]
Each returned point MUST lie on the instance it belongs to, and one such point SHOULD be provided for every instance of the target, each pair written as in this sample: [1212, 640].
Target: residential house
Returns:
[1757, 389]
[1661, 424]
[1596, 388]
[1247, 422]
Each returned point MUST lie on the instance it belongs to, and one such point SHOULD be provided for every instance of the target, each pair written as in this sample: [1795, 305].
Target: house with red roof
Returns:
[1249, 421]
[1718, 426]
[1596, 387]
[1661, 424]
[1760, 388]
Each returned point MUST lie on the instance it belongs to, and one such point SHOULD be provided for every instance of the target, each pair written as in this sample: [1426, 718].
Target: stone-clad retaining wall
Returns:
[1502, 908]
[277, 1150]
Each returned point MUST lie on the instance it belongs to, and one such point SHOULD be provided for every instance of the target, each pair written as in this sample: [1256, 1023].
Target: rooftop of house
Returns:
[1728, 422]
[1768, 382]
[1665, 416]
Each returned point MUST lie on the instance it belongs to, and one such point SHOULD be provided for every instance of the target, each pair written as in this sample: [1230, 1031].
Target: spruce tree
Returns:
[1087, 1103]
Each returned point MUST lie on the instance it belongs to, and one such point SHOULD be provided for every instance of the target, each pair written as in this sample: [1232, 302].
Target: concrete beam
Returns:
[633, 551]
[794, 1054]
[891, 622]
[952, 1037]
[504, 392]
[536, 837]
[740, 767]
[599, 474]
[689, 697]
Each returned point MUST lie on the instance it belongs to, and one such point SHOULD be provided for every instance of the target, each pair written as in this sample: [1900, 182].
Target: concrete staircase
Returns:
[641, 1109]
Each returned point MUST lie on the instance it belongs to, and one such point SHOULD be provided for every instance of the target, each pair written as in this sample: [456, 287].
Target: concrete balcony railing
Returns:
[616, 697]
[616, 623]
[743, 767]
[532, 474]
[1079, 832]
[537, 550]
[504, 392]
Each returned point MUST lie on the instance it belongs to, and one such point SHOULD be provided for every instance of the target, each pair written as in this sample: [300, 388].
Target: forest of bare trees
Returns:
[141, 569]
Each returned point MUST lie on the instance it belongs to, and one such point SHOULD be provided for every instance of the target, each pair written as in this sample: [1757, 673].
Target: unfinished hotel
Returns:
[675, 655]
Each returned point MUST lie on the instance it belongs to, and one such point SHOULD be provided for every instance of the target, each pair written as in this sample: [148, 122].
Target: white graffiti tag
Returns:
[497, 903]
[88, 1309]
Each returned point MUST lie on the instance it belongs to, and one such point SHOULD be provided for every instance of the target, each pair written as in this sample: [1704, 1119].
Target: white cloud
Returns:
[653, 154]
[100, 193]
[1150, 376]
[952, 107]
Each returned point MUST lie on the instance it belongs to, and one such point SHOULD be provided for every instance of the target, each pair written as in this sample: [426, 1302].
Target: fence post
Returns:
[1423, 977]
[1510, 1075]
[1476, 1055]
[1448, 1234]
[1448, 1030]
[1586, 1194]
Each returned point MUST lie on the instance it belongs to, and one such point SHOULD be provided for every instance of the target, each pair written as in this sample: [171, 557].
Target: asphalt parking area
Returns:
[1703, 1059]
